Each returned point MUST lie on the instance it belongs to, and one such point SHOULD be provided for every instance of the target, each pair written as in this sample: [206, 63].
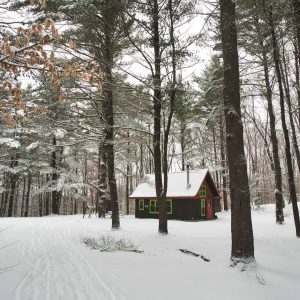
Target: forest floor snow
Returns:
[45, 259]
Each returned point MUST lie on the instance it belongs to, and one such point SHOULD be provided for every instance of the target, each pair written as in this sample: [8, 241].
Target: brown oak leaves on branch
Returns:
[33, 49]
[41, 2]
[25, 51]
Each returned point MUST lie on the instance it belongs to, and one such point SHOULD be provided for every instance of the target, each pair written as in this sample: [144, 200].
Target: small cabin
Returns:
[191, 195]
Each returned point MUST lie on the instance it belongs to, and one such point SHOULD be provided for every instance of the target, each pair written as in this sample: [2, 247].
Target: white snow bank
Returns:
[48, 260]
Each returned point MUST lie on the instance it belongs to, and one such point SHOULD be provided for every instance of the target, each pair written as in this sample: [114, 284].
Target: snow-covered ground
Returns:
[44, 258]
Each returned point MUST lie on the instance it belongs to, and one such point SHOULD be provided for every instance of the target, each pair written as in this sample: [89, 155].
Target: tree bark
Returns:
[182, 144]
[12, 185]
[241, 223]
[223, 164]
[157, 97]
[297, 75]
[103, 184]
[285, 82]
[275, 152]
[5, 195]
[215, 153]
[291, 181]
[128, 175]
[56, 195]
[296, 6]
[27, 197]
[23, 196]
[108, 103]
[141, 162]
[47, 200]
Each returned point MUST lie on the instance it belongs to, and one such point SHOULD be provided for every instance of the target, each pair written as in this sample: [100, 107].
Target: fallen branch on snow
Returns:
[189, 252]
[185, 251]
[205, 258]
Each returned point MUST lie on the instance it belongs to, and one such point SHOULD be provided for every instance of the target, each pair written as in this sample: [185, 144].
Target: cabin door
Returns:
[209, 209]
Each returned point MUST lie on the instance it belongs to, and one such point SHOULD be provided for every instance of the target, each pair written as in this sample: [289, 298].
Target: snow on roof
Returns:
[177, 185]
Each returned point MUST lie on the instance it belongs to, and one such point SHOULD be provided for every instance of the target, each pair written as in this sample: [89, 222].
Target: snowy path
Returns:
[56, 269]
[44, 259]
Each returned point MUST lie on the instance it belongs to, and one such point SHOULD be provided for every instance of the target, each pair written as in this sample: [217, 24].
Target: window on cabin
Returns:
[203, 191]
[153, 208]
[141, 204]
[202, 205]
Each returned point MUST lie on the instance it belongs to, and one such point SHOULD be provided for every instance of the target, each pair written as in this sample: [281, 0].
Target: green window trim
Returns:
[141, 204]
[169, 206]
[203, 191]
[153, 207]
[202, 207]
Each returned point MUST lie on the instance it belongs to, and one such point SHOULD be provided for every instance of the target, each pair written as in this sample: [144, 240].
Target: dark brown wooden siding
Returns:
[217, 204]
[186, 209]
[182, 209]
[142, 213]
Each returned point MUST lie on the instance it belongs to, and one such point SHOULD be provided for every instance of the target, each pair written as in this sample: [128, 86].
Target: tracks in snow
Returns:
[57, 270]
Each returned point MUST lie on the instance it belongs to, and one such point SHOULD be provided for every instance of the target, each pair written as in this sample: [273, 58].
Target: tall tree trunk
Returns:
[241, 223]
[55, 194]
[292, 187]
[141, 161]
[27, 197]
[13, 185]
[215, 153]
[150, 153]
[128, 167]
[297, 75]
[111, 173]
[85, 173]
[23, 196]
[163, 216]
[285, 81]
[296, 6]
[75, 206]
[15, 208]
[47, 200]
[103, 197]
[11, 199]
[40, 200]
[2, 203]
[275, 152]
[108, 108]
[223, 164]
[99, 205]
[182, 144]
[5, 195]
[157, 97]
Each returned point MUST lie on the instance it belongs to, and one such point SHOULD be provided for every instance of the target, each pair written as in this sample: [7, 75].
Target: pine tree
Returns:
[241, 223]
